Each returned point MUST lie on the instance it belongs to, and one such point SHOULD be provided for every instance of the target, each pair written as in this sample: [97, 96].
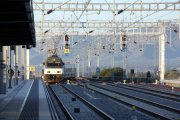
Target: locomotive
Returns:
[55, 71]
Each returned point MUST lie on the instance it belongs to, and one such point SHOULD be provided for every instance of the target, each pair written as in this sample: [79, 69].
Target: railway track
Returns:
[52, 109]
[74, 107]
[159, 110]
[105, 105]
[61, 109]
[160, 87]
[157, 101]
[116, 93]
[166, 92]
[169, 96]
[90, 105]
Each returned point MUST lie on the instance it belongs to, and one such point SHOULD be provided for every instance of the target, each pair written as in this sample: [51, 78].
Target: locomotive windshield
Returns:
[54, 64]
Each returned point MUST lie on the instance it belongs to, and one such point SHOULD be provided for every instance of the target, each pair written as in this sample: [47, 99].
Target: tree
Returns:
[109, 72]
[172, 74]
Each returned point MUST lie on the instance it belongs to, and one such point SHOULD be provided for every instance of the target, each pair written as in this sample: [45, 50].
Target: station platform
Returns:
[25, 101]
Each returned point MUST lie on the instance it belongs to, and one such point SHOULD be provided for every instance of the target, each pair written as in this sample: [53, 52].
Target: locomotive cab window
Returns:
[54, 64]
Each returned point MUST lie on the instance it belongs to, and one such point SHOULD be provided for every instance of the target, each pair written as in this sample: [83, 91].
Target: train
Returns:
[56, 71]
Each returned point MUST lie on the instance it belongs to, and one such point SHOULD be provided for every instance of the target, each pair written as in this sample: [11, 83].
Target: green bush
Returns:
[109, 72]
[172, 74]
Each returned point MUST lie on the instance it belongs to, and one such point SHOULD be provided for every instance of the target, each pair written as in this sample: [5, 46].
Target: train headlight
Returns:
[58, 72]
[48, 72]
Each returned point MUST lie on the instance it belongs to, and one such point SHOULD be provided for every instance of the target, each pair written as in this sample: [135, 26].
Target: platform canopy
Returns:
[17, 23]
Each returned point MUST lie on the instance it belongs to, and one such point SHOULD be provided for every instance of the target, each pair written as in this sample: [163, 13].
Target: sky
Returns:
[144, 58]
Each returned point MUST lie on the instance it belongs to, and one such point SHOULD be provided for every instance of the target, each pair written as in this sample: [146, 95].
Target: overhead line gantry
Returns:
[152, 6]
[139, 28]
[63, 24]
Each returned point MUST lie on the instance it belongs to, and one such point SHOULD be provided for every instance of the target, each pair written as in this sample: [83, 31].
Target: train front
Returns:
[53, 69]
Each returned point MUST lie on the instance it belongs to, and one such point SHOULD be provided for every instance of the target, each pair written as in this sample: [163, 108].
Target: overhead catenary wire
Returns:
[147, 15]
[161, 16]
[51, 10]
[77, 19]
[150, 14]
[79, 22]
[141, 11]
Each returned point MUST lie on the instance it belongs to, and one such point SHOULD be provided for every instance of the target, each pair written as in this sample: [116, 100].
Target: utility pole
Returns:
[97, 55]
[123, 46]
[114, 38]
[77, 61]
[82, 66]
[89, 61]
[97, 68]
[124, 62]
[42, 15]
[98, 59]
[162, 56]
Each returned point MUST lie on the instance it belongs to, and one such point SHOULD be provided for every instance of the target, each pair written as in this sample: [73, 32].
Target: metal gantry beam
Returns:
[151, 6]
[62, 24]
[105, 28]
[103, 33]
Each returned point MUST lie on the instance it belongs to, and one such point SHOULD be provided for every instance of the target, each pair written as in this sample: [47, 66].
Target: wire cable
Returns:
[151, 14]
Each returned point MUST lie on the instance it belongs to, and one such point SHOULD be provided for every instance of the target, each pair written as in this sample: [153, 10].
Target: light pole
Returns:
[97, 67]
[162, 56]
[114, 37]
[89, 62]
[77, 61]
[82, 66]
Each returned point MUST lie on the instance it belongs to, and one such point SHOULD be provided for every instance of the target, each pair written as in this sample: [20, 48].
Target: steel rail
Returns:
[90, 105]
[65, 110]
[138, 99]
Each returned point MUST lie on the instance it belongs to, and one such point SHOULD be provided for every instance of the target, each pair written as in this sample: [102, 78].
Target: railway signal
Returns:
[123, 42]
[66, 44]
[66, 38]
